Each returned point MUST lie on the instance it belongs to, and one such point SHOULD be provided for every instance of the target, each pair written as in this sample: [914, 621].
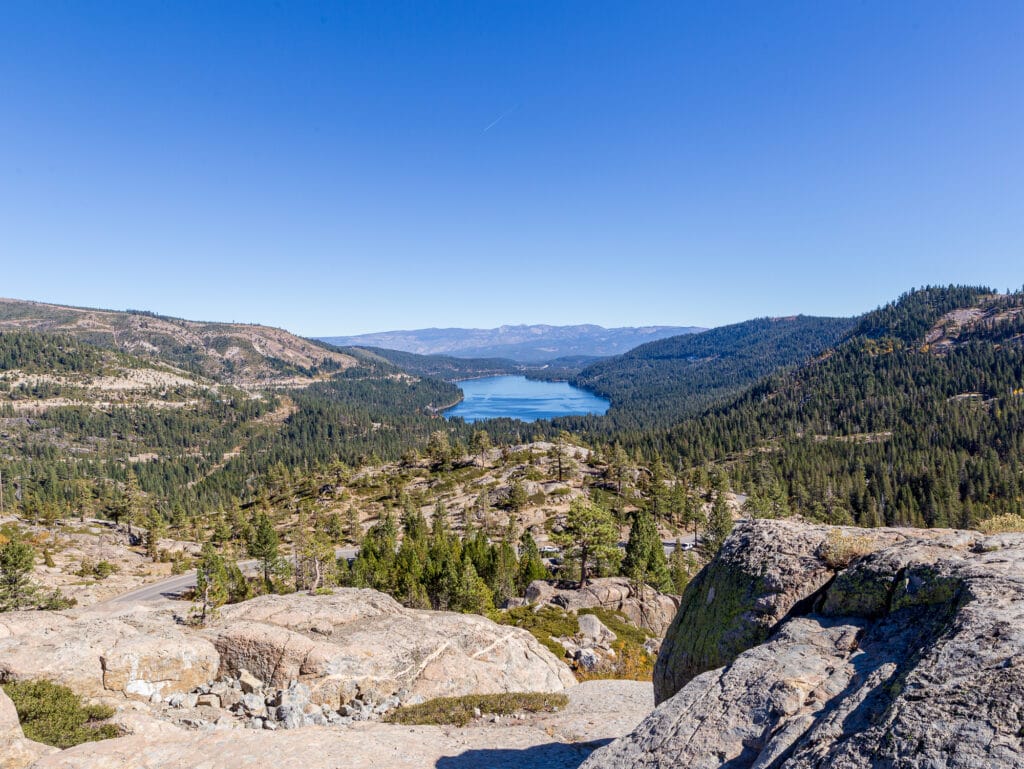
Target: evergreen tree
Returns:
[212, 585]
[682, 567]
[156, 527]
[531, 565]
[517, 497]
[590, 538]
[719, 524]
[472, 595]
[265, 547]
[17, 559]
[645, 555]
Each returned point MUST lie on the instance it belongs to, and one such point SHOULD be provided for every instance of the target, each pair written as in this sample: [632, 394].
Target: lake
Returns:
[517, 397]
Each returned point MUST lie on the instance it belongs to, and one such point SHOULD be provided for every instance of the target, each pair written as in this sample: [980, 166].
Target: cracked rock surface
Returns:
[910, 656]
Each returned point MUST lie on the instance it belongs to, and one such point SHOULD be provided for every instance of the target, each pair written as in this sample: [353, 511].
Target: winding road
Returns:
[171, 589]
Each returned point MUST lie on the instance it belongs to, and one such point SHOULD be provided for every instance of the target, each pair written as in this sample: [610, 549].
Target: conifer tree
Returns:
[265, 547]
[17, 559]
[590, 537]
[719, 523]
[645, 556]
[531, 565]
[212, 586]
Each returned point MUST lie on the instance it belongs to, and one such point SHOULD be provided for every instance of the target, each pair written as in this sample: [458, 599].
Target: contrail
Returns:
[501, 117]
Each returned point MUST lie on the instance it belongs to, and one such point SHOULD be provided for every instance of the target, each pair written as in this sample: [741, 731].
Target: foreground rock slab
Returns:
[361, 643]
[909, 656]
[598, 712]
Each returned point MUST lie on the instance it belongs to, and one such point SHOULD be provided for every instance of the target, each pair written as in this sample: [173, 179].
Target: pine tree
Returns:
[472, 596]
[17, 559]
[265, 547]
[212, 585]
[156, 527]
[719, 524]
[591, 537]
[531, 565]
[645, 556]
[682, 567]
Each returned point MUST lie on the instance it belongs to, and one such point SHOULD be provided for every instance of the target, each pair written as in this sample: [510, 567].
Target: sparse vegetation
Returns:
[840, 549]
[1001, 524]
[459, 711]
[55, 715]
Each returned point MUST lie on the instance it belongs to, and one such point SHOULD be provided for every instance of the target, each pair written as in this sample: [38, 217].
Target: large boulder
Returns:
[766, 570]
[361, 643]
[648, 609]
[910, 656]
[136, 652]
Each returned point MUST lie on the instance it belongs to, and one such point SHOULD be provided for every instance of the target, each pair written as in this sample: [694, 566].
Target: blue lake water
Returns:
[520, 398]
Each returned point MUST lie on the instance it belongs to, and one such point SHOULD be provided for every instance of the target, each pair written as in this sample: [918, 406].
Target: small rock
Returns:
[208, 700]
[230, 698]
[253, 704]
[249, 683]
[587, 659]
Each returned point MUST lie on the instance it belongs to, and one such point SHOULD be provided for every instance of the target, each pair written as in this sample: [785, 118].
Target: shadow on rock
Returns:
[553, 755]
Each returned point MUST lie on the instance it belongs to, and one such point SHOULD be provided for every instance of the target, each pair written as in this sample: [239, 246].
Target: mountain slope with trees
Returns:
[658, 383]
[917, 419]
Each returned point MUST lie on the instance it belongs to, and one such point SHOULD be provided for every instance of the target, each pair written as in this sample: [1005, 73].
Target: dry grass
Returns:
[459, 711]
[1002, 524]
[841, 549]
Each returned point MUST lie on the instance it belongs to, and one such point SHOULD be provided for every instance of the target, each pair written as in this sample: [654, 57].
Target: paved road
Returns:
[172, 587]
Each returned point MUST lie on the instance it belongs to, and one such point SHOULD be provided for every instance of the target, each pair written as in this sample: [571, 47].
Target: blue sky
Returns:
[342, 167]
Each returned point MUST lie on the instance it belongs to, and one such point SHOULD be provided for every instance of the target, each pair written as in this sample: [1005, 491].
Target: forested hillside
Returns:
[84, 425]
[917, 419]
[246, 355]
[451, 368]
[657, 384]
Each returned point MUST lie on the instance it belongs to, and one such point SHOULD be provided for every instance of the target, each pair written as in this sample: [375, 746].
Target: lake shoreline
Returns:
[515, 396]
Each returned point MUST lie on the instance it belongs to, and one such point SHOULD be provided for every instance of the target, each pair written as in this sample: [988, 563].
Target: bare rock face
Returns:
[766, 570]
[16, 752]
[652, 610]
[364, 643]
[911, 656]
[135, 653]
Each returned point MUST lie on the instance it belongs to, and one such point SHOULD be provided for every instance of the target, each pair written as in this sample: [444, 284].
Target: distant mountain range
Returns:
[525, 344]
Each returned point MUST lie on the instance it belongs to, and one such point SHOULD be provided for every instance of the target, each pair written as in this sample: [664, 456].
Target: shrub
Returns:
[55, 715]
[1001, 524]
[459, 711]
[840, 549]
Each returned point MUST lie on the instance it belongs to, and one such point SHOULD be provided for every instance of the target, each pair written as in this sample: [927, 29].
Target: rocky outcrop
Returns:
[16, 752]
[135, 653]
[355, 644]
[650, 610]
[765, 571]
[364, 644]
[909, 654]
[597, 711]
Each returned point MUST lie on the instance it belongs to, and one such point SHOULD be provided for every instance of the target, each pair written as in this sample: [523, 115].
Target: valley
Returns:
[157, 496]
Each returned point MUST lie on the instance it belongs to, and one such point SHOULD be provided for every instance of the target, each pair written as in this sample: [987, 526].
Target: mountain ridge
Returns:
[524, 343]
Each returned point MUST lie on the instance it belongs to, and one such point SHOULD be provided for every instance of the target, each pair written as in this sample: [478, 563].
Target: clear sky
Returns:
[357, 166]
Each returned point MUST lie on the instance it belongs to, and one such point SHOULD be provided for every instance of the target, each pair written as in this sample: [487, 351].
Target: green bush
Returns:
[55, 715]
